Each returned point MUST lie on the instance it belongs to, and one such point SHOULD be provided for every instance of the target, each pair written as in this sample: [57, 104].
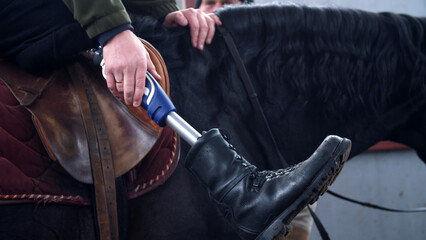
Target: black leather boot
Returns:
[259, 203]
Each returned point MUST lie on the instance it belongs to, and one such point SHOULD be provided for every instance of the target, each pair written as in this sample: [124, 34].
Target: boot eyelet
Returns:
[225, 134]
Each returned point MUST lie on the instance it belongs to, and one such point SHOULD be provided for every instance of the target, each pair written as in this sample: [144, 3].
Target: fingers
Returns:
[211, 28]
[195, 26]
[152, 70]
[181, 19]
[215, 18]
[202, 25]
[206, 25]
[129, 85]
[126, 62]
[111, 83]
[140, 81]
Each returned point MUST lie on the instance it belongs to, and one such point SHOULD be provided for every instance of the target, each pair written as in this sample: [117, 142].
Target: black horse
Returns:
[317, 71]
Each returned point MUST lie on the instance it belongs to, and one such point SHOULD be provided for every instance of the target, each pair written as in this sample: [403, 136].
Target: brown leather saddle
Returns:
[93, 135]
[63, 105]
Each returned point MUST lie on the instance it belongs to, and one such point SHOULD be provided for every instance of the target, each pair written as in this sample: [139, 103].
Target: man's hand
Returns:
[126, 62]
[201, 25]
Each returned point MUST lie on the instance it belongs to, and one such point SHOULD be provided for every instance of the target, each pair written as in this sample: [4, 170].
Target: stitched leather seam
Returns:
[163, 172]
[45, 198]
[225, 191]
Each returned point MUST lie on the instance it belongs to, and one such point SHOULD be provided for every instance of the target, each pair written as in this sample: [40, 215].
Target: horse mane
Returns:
[324, 54]
[321, 54]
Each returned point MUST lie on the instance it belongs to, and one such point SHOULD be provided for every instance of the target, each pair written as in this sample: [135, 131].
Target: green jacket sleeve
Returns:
[98, 16]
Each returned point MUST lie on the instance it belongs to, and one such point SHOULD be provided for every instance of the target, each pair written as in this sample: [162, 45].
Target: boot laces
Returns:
[273, 174]
[259, 178]
[244, 163]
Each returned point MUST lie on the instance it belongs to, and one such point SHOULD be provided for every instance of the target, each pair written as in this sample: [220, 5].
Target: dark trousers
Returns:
[40, 34]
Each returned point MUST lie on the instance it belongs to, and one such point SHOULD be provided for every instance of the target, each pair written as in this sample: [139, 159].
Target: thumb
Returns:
[176, 18]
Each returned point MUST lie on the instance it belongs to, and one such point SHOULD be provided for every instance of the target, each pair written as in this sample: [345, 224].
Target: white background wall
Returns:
[412, 7]
[394, 179]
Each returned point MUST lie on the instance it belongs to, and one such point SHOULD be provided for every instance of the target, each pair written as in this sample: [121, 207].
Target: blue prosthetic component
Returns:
[156, 102]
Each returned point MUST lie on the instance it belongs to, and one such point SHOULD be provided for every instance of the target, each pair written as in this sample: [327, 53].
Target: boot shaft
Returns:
[217, 165]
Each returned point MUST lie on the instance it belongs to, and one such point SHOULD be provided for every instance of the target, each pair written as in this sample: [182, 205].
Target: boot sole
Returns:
[319, 186]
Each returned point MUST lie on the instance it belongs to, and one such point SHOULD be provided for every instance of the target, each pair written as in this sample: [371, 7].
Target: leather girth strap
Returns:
[94, 136]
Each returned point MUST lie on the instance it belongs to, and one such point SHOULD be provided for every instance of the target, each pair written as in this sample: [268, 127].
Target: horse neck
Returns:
[312, 67]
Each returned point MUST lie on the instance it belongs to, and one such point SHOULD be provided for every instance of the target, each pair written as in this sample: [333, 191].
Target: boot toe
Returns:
[309, 180]
[333, 148]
